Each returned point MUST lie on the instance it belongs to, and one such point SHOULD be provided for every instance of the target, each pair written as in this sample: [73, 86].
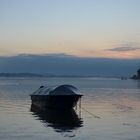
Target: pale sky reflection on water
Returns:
[112, 110]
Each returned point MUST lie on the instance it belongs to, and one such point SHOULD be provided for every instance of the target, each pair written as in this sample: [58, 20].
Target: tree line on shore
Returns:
[136, 76]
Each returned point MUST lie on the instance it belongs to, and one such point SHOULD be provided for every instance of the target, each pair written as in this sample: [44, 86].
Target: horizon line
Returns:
[65, 55]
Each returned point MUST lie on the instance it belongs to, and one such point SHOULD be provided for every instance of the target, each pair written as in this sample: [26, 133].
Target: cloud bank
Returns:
[62, 64]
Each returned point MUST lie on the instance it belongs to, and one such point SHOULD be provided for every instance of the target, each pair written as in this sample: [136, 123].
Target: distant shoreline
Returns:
[136, 76]
[20, 75]
[29, 75]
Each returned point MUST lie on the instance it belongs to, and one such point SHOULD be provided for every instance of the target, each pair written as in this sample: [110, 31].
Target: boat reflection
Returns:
[59, 120]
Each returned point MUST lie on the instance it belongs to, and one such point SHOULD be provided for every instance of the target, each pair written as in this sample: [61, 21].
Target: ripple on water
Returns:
[14, 106]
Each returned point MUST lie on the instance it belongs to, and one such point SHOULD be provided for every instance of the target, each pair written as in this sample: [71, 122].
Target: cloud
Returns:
[125, 47]
[63, 64]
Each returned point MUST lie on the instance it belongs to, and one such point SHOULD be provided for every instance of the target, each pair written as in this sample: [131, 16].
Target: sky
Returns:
[83, 28]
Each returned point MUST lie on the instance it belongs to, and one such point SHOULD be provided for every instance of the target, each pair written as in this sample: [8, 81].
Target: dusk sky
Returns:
[85, 28]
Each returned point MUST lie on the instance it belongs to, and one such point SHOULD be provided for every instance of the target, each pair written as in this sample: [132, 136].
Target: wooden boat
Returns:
[61, 97]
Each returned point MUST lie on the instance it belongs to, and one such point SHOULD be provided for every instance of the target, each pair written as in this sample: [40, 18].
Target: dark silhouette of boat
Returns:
[59, 120]
[60, 97]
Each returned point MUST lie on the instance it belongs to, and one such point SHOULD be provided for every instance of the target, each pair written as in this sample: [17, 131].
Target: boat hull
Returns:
[55, 101]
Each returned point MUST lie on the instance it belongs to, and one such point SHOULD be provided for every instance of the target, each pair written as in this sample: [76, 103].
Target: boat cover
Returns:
[59, 90]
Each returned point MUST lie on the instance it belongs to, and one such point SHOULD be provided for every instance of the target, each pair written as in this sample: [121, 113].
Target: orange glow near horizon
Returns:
[76, 48]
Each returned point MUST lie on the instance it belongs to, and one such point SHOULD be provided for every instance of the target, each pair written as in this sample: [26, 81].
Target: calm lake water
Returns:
[110, 111]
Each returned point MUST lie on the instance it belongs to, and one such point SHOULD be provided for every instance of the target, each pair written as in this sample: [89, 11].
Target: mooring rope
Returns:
[95, 116]
[80, 107]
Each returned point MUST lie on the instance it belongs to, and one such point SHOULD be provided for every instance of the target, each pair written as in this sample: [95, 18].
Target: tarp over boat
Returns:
[57, 90]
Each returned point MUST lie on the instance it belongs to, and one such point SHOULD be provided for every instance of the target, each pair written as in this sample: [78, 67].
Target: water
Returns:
[110, 111]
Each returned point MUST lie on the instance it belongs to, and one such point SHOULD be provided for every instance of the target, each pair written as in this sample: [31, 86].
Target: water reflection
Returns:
[60, 121]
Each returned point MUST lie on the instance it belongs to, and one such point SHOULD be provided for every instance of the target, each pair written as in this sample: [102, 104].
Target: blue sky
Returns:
[85, 28]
